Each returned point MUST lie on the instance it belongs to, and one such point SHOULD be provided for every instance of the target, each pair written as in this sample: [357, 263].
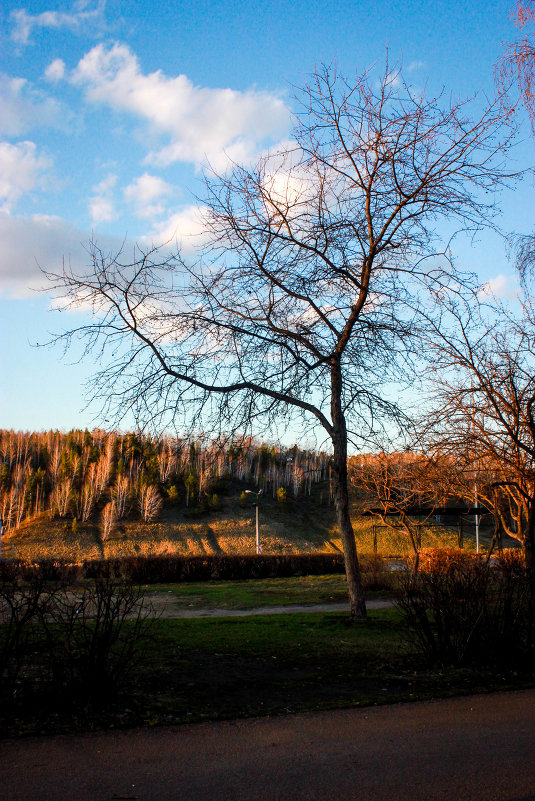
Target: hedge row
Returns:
[163, 569]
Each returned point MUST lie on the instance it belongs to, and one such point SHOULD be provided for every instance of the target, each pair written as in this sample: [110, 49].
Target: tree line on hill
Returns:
[106, 476]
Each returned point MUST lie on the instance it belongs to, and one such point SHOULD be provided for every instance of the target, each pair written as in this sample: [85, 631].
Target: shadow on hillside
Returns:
[210, 538]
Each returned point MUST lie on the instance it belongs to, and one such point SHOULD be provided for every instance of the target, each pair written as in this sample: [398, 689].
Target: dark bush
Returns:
[65, 646]
[51, 571]
[175, 568]
[20, 605]
[460, 609]
[162, 569]
[9, 569]
[376, 575]
[103, 568]
[94, 637]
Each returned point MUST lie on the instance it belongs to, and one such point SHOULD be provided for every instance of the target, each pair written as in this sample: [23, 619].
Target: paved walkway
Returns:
[479, 748]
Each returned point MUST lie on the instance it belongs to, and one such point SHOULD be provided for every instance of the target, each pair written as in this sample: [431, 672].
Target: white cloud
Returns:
[202, 124]
[41, 241]
[55, 70]
[80, 17]
[145, 195]
[22, 107]
[101, 205]
[186, 228]
[500, 286]
[21, 170]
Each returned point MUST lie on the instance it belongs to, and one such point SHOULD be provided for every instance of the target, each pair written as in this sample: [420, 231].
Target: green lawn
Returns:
[193, 670]
[235, 667]
[257, 592]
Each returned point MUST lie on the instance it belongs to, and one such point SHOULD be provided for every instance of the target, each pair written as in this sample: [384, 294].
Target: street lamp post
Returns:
[477, 521]
[257, 494]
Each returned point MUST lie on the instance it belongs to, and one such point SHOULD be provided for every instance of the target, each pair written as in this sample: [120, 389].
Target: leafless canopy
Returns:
[306, 299]
[516, 68]
[485, 411]
[395, 485]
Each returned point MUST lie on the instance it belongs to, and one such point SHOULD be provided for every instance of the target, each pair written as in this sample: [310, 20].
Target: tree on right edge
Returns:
[483, 417]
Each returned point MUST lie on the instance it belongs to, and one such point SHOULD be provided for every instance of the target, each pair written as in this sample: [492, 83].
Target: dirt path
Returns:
[167, 607]
[478, 748]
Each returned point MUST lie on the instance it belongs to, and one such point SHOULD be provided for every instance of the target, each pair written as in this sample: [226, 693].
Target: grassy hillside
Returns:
[296, 525]
[103, 494]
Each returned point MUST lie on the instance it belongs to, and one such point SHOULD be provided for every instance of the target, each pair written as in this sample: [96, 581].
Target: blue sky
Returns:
[108, 111]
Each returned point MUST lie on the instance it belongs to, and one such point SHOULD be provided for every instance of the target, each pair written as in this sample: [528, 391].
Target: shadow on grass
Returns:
[214, 669]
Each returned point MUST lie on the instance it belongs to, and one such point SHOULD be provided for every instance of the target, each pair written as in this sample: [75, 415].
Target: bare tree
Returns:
[484, 413]
[150, 502]
[121, 492]
[108, 521]
[89, 494]
[61, 498]
[395, 485]
[306, 305]
[516, 67]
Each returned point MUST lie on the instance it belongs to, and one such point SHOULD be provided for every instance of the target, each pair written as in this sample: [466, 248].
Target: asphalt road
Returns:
[479, 748]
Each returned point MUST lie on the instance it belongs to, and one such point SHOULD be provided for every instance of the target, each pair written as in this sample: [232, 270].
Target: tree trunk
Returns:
[529, 558]
[529, 546]
[357, 602]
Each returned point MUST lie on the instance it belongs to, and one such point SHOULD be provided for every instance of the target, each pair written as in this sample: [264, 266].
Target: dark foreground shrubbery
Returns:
[158, 569]
[64, 647]
[175, 569]
[461, 609]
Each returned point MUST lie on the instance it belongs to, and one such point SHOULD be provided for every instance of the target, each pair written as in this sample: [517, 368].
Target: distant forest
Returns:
[108, 476]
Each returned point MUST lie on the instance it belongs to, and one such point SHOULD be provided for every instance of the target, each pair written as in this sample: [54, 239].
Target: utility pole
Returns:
[257, 495]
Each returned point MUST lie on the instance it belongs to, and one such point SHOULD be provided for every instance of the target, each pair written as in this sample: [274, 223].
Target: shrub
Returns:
[63, 646]
[102, 568]
[20, 604]
[172, 493]
[214, 502]
[175, 568]
[375, 575]
[94, 638]
[50, 571]
[459, 609]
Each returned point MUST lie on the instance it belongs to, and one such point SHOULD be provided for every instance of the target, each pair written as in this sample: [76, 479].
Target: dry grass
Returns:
[295, 527]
